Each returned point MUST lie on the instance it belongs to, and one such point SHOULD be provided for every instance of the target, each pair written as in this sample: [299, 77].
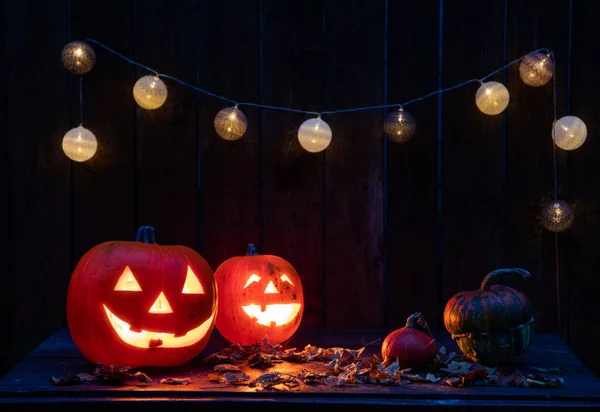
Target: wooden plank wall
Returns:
[377, 230]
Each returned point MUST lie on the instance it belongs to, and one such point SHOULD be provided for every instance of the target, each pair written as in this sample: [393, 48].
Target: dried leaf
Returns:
[213, 377]
[520, 381]
[533, 380]
[292, 356]
[174, 381]
[226, 368]
[341, 354]
[142, 377]
[389, 370]
[475, 375]
[374, 361]
[429, 378]
[104, 375]
[504, 379]
[334, 366]
[454, 382]
[269, 348]
[334, 381]
[217, 358]
[86, 377]
[349, 372]
[311, 378]
[231, 378]
[556, 382]
[276, 380]
[67, 380]
[112, 375]
[558, 369]
[460, 365]
[536, 384]
[260, 360]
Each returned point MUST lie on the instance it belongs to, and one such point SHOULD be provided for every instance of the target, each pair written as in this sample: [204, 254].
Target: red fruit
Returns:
[411, 347]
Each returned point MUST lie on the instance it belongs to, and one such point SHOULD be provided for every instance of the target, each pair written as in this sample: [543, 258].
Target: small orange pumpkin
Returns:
[412, 347]
[260, 297]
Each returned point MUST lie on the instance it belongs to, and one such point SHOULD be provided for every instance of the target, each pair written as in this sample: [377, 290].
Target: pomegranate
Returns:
[410, 346]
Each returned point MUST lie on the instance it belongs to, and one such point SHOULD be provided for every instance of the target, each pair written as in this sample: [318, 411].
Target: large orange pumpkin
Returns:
[260, 296]
[141, 304]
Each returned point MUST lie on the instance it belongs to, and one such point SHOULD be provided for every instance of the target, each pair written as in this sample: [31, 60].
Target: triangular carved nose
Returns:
[161, 305]
[271, 288]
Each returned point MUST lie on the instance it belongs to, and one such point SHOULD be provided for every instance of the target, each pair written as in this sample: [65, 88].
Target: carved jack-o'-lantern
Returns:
[260, 296]
[141, 304]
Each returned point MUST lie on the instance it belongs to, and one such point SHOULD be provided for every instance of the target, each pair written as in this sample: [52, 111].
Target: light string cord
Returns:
[122, 57]
[157, 74]
[555, 192]
[319, 114]
[81, 100]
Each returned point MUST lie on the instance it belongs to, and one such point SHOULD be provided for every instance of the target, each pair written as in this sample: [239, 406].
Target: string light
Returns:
[150, 92]
[536, 69]
[569, 132]
[78, 57]
[314, 135]
[557, 216]
[399, 126]
[79, 144]
[231, 123]
[492, 98]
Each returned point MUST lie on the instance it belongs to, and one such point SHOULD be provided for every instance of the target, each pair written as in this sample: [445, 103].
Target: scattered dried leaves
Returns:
[265, 354]
[339, 367]
[346, 367]
[104, 375]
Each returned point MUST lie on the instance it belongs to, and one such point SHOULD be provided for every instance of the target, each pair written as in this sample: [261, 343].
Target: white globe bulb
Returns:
[536, 69]
[230, 123]
[569, 132]
[79, 144]
[557, 216]
[78, 57]
[492, 98]
[150, 92]
[399, 126]
[314, 135]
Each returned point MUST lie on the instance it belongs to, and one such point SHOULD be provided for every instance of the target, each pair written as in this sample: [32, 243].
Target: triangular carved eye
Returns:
[192, 285]
[127, 282]
[253, 278]
[286, 278]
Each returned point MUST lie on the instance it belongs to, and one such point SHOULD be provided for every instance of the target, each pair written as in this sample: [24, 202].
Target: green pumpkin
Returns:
[493, 323]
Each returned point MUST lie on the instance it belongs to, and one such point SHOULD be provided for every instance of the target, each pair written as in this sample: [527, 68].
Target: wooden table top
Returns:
[29, 382]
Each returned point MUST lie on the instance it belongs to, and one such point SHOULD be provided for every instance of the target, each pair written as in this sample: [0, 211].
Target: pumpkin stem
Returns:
[145, 234]
[251, 250]
[417, 319]
[485, 285]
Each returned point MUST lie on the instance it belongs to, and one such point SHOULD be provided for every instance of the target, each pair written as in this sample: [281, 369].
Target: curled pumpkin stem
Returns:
[418, 319]
[485, 285]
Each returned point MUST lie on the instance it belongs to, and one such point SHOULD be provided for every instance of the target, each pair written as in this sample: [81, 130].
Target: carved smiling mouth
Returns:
[148, 339]
[279, 314]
